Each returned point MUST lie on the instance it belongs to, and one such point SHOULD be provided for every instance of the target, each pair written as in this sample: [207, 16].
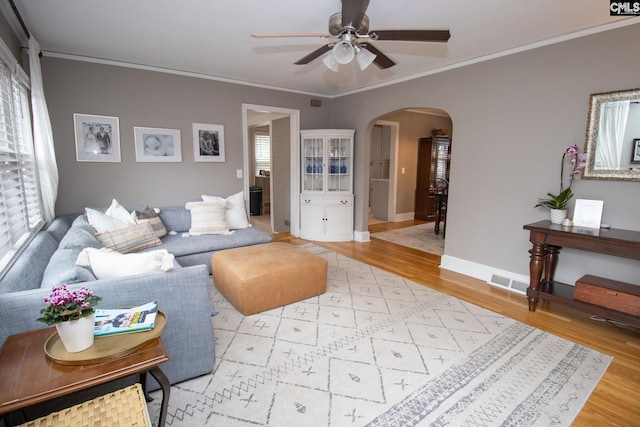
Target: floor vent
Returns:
[514, 285]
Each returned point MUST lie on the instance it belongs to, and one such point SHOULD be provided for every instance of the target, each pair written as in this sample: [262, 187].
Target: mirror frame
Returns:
[593, 121]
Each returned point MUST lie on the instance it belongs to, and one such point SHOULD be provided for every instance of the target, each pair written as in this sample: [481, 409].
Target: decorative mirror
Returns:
[613, 136]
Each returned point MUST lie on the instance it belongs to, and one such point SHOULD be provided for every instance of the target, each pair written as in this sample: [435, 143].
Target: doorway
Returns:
[382, 171]
[280, 185]
[410, 124]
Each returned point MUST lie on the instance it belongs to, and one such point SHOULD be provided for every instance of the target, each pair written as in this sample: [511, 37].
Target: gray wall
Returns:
[151, 99]
[512, 118]
[11, 41]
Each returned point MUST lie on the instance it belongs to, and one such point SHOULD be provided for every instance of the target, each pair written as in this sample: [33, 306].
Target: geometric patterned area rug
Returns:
[421, 237]
[379, 350]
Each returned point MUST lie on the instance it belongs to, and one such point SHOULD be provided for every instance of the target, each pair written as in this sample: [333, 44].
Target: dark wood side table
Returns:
[28, 377]
[547, 239]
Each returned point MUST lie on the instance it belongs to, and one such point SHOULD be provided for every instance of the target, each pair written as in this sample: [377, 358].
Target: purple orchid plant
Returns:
[577, 162]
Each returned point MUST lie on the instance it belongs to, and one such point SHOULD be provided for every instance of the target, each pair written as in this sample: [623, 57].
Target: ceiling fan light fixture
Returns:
[331, 63]
[343, 52]
[364, 57]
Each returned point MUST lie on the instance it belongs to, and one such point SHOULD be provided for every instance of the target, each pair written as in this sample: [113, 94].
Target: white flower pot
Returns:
[76, 335]
[557, 215]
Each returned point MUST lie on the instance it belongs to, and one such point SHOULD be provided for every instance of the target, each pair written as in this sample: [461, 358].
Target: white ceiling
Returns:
[212, 38]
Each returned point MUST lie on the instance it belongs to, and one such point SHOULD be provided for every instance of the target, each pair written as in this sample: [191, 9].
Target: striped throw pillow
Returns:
[208, 217]
[129, 239]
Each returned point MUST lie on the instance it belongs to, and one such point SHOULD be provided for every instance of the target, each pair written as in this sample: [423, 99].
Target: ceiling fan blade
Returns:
[353, 12]
[382, 60]
[411, 35]
[264, 36]
[313, 55]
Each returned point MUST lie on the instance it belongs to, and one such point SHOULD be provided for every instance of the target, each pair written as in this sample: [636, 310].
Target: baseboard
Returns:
[403, 217]
[493, 276]
[361, 236]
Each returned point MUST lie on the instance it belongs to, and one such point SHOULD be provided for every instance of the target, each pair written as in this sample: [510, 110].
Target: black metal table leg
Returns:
[162, 379]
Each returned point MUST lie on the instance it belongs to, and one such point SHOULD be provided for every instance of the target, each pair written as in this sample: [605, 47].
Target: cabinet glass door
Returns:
[312, 158]
[440, 157]
[339, 164]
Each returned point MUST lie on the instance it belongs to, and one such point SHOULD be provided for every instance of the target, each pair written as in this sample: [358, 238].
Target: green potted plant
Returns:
[557, 203]
[72, 312]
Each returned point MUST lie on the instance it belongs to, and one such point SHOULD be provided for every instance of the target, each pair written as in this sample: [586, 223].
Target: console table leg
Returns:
[162, 379]
[536, 264]
[550, 263]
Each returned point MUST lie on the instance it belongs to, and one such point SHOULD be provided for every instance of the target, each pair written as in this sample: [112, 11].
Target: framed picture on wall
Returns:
[97, 138]
[208, 142]
[157, 145]
[635, 156]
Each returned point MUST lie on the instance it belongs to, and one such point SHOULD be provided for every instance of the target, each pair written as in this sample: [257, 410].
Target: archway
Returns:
[405, 128]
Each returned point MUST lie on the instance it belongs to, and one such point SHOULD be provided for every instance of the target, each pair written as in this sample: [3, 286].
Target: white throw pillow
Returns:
[236, 214]
[103, 222]
[117, 211]
[208, 217]
[106, 263]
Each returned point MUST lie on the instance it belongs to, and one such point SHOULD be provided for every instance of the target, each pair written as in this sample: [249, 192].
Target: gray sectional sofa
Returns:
[183, 293]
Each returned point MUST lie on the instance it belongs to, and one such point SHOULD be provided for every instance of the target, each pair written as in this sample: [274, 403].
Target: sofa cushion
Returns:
[129, 239]
[62, 268]
[208, 217]
[181, 245]
[107, 263]
[27, 270]
[59, 226]
[80, 235]
[236, 213]
[82, 222]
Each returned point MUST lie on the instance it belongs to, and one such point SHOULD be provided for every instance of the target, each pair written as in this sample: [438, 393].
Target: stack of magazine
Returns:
[125, 320]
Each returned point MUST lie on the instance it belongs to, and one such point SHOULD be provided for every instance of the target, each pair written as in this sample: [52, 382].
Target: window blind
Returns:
[20, 212]
[262, 149]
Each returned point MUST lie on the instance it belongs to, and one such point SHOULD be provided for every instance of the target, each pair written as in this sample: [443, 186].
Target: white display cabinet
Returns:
[326, 200]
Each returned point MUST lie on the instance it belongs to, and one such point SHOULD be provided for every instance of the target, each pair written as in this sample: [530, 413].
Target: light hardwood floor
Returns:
[616, 399]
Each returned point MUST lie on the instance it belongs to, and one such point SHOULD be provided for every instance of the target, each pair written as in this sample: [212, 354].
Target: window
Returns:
[262, 149]
[20, 210]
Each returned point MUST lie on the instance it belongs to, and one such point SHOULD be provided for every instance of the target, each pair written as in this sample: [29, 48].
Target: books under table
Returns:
[125, 320]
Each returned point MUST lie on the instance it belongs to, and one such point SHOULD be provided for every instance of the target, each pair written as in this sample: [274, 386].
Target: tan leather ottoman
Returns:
[262, 277]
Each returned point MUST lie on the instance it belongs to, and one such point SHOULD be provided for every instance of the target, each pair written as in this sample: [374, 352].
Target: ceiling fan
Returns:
[351, 28]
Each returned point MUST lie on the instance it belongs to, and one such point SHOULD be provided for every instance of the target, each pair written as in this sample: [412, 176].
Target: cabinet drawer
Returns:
[607, 293]
[307, 199]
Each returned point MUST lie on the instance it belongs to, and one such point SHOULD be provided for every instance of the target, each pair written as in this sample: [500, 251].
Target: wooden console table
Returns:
[547, 239]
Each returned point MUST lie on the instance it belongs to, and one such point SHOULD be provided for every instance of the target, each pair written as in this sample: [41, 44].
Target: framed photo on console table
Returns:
[157, 145]
[635, 156]
[588, 213]
[208, 143]
[97, 138]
